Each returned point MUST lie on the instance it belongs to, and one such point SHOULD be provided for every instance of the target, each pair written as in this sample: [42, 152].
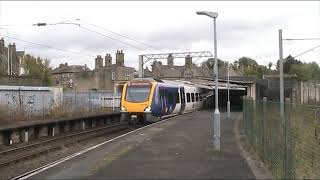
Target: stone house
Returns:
[104, 77]
[65, 74]
[187, 71]
[14, 60]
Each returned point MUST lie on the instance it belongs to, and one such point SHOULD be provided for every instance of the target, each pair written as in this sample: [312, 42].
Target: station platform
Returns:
[177, 148]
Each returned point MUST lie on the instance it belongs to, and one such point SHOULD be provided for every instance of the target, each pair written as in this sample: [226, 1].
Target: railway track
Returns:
[15, 155]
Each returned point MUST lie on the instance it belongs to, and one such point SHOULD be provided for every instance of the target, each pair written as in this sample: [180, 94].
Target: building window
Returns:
[126, 76]
[113, 76]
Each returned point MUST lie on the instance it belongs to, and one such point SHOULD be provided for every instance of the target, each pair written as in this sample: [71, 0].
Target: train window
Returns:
[170, 98]
[188, 97]
[137, 93]
[197, 97]
[177, 98]
[192, 97]
[200, 97]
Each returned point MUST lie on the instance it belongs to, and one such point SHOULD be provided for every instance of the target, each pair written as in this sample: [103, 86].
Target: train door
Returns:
[183, 100]
[162, 100]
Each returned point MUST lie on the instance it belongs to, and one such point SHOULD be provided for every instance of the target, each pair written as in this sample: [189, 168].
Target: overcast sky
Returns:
[244, 28]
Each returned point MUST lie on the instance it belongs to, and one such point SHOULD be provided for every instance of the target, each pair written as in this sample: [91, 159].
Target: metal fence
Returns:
[289, 146]
[90, 101]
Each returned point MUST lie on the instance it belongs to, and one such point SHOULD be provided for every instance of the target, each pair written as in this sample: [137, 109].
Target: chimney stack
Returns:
[12, 47]
[108, 60]
[98, 62]
[119, 58]
[188, 62]
[1, 42]
[170, 61]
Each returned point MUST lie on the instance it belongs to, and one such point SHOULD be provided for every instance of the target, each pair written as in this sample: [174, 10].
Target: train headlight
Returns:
[147, 109]
[123, 109]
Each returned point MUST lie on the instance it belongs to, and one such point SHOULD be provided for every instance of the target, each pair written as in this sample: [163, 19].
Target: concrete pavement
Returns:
[177, 148]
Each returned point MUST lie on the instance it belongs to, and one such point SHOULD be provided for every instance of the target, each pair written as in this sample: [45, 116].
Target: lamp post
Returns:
[216, 114]
[228, 103]
[281, 75]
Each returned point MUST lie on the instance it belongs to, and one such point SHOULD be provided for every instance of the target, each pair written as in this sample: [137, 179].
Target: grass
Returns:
[303, 138]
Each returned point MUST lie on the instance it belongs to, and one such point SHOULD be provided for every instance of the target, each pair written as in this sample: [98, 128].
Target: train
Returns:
[150, 99]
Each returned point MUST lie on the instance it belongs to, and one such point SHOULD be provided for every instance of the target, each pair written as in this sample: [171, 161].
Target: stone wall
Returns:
[85, 81]
[19, 81]
[309, 91]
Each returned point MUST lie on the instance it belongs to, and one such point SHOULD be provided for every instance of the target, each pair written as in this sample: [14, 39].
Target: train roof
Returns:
[174, 82]
[186, 83]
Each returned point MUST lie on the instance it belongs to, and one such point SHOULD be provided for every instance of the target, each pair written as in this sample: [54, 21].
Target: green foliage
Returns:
[38, 68]
[210, 63]
[304, 71]
[270, 65]
[250, 67]
[247, 62]
[288, 63]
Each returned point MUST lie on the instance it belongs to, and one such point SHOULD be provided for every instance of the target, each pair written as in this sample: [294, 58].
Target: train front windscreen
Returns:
[138, 92]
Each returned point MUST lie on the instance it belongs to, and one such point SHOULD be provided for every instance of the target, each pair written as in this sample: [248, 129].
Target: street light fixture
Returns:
[216, 114]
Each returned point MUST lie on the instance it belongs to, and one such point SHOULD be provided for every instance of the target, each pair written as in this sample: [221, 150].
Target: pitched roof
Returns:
[117, 68]
[20, 53]
[179, 71]
[70, 69]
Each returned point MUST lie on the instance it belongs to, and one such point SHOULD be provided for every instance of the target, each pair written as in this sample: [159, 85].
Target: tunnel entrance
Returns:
[235, 100]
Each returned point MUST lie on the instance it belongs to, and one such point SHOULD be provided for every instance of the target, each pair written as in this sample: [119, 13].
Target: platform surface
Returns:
[177, 148]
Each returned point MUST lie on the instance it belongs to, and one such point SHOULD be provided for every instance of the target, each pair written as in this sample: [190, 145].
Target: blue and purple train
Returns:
[147, 99]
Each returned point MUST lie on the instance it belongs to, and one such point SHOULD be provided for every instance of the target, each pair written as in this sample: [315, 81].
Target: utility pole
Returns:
[140, 66]
[228, 103]
[281, 74]
[8, 58]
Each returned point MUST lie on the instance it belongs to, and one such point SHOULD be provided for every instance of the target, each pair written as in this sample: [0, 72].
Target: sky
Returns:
[244, 28]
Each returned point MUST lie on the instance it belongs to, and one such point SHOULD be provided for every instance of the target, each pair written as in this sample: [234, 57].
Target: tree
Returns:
[270, 65]
[37, 68]
[304, 71]
[250, 67]
[247, 62]
[288, 62]
[210, 63]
